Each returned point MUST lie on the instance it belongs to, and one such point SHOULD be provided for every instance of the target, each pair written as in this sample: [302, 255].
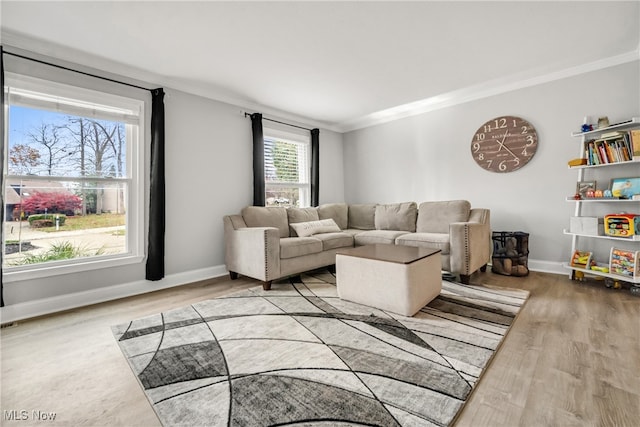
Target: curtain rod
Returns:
[4, 52]
[282, 123]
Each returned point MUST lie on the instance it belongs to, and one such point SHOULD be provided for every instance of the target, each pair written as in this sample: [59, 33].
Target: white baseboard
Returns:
[547, 267]
[25, 310]
[552, 267]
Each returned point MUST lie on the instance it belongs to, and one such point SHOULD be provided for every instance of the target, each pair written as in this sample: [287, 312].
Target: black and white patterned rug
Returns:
[299, 355]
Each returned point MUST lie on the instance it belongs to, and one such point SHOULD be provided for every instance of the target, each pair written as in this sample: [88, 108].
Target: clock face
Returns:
[504, 144]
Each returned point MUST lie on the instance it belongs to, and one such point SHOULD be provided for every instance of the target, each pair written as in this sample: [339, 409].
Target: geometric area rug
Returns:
[298, 355]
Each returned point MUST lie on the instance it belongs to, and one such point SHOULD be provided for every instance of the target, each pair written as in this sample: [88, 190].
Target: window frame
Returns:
[304, 181]
[135, 166]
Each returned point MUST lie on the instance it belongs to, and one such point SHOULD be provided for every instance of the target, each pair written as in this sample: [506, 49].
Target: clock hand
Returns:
[501, 144]
[516, 157]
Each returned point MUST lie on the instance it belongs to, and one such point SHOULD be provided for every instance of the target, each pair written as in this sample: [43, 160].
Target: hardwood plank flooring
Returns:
[572, 358]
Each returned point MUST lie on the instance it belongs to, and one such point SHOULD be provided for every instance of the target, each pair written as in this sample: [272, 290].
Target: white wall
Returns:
[428, 157]
[208, 175]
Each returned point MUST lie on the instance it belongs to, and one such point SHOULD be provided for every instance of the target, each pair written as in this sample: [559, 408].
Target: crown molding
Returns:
[483, 90]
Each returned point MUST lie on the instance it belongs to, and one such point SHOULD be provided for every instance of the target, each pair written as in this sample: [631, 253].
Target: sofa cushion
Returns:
[397, 216]
[335, 240]
[339, 212]
[260, 216]
[306, 229]
[372, 237]
[291, 247]
[296, 215]
[435, 217]
[426, 240]
[362, 216]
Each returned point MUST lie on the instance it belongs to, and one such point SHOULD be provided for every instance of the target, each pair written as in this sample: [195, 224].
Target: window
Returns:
[287, 169]
[72, 194]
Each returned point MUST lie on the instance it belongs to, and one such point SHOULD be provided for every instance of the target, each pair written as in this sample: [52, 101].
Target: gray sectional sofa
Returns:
[270, 243]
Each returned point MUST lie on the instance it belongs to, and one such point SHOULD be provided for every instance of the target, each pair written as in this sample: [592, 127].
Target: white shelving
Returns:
[631, 123]
[635, 238]
[634, 205]
[602, 200]
[601, 274]
[630, 162]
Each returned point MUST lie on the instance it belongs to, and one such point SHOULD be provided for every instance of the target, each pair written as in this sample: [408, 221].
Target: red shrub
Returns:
[55, 202]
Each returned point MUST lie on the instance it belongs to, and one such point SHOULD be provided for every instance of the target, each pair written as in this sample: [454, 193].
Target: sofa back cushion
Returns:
[397, 216]
[361, 216]
[296, 215]
[435, 217]
[339, 212]
[260, 216]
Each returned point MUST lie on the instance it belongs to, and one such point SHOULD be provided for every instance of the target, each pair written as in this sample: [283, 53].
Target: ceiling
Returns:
[335, 64]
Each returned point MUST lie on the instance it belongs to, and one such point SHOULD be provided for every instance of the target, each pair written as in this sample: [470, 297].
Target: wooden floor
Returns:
[572, 358]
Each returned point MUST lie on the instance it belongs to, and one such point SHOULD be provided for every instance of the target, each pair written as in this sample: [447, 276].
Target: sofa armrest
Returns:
[470, 246]
[252, 251]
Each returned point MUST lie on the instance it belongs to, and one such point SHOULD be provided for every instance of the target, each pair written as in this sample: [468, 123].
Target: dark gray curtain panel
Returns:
[315, 167]
[155, 255]
[258, 160]
[1, 166]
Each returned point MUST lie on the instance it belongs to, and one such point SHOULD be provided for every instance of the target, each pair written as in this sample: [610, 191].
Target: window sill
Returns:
[55, 269]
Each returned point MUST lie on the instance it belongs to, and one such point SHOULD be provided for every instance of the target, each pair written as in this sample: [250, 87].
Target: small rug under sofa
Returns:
[299, 355]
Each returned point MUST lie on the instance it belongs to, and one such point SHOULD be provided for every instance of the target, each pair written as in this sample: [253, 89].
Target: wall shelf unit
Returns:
[635, 238]
[614, 136]
[604, 165]
[603, 200]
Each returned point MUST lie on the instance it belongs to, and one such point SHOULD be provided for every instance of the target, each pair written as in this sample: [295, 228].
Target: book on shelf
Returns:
[615, 149]
[609, 135]
[634, 135]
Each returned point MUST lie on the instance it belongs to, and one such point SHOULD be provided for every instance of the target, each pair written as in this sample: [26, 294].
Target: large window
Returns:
[287, 169]
[72, 188]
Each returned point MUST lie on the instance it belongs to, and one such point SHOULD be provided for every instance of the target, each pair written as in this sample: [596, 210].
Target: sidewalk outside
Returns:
[109, 240]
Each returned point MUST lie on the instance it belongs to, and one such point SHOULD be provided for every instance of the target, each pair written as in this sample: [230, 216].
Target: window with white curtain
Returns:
[287, 161]
[73, 189]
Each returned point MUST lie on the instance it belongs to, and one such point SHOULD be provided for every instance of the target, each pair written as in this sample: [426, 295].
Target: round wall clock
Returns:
[504, 144]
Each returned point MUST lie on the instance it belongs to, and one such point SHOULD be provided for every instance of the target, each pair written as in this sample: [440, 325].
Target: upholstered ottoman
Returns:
[400, 279]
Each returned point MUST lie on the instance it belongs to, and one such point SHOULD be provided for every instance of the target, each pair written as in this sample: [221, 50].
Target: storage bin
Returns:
[510, 253]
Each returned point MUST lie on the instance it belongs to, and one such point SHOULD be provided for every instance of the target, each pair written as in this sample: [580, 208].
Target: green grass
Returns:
[88, 221]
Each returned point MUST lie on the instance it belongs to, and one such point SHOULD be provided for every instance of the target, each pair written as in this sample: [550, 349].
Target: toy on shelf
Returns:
[582, 259]
[600, 268]
[624, 262]
[622, 225]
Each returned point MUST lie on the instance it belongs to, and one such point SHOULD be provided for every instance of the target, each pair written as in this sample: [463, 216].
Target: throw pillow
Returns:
[306, 229]
[397, 216]
[301, 215]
